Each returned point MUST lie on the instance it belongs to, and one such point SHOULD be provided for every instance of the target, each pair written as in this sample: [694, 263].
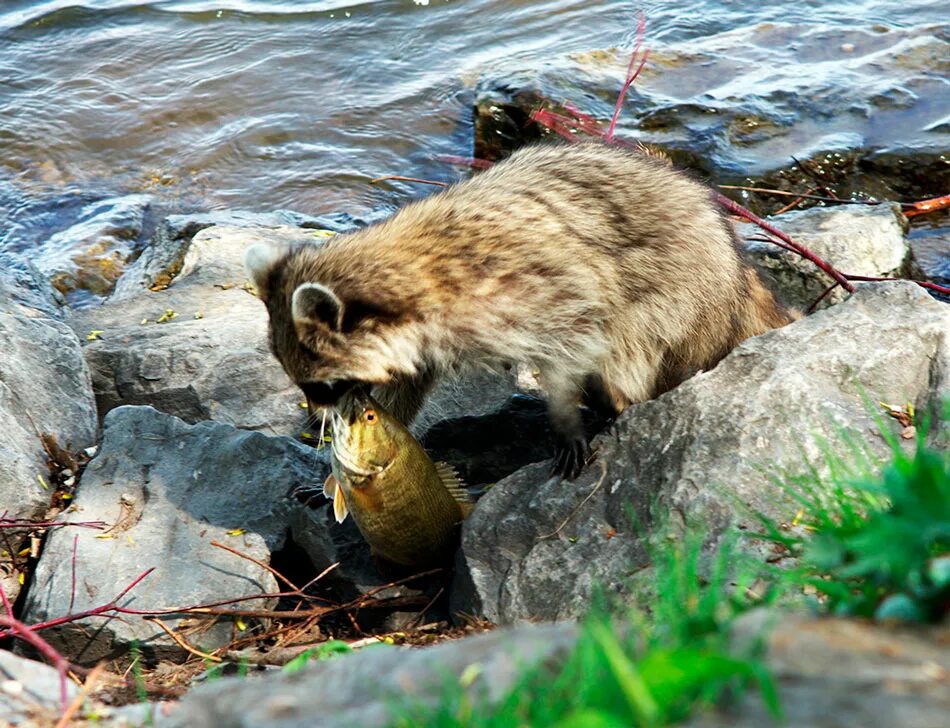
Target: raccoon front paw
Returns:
[570, 457]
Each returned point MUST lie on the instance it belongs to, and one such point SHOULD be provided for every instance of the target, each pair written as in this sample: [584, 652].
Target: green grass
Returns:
[875, 546]
[633, 668]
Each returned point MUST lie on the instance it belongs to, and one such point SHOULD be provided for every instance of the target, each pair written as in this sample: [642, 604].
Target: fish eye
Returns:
[370, 416]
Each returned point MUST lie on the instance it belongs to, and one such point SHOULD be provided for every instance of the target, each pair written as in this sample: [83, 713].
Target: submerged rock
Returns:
[535, 548]
[91, 253]
[868, 97]
[167, 489]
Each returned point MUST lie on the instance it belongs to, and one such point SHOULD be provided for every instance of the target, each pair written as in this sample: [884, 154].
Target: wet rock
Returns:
[198, 348]
[931, 247]
[23, 285]
[859, 240]
[534, 548]
[30, 691]
[707, 102]
[91, 253]
[164, 256]
[840, 673]
[45, 387]
[338, 693]
[167, 489]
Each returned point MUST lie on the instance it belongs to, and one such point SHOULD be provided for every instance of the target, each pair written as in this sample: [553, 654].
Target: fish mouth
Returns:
[340, 447]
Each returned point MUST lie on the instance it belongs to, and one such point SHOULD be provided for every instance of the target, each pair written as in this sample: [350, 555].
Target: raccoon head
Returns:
[326, 336]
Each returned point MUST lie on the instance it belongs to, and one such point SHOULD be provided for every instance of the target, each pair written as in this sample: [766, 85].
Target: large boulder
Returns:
[210, 360]
[166, 490]
[828, 672]
[535, 548]
[45, 388]
[858, 240]
[197, 348]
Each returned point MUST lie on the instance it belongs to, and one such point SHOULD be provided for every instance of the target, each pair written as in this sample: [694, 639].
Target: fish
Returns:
[407, 507]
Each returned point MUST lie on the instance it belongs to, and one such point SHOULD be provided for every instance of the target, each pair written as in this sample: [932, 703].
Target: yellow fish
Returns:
[407, 507]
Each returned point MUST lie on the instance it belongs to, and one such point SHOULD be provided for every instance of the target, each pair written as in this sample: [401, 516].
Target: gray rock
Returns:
[29, 691]
[840, 673]
[167, 489]
[828, 672]
[532, 549]
[24, 286]
[361, 689]
[162, 259]
[217, 366]
[859, 240]
[45, 388]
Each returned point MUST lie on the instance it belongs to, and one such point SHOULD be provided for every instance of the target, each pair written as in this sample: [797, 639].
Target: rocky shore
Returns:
[202, 471]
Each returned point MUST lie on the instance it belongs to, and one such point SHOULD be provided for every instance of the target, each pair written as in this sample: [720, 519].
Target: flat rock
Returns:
[828, 672]
[859, 240]
[360, 689]
[534, 548]
[841, 673]
[45, 387]
[163, 257]
[167, 489]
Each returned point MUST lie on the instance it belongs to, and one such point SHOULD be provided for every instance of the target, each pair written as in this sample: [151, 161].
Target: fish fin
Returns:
[330, 485]
[339, 505]
[453, 483]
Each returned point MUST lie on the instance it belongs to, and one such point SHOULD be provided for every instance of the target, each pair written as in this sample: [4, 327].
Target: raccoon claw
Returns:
[570, 457]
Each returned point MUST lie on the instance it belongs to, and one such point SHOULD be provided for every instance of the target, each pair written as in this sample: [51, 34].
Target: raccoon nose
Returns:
[324, 394]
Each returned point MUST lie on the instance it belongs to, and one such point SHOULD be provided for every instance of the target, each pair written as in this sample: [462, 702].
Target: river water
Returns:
[114, 112]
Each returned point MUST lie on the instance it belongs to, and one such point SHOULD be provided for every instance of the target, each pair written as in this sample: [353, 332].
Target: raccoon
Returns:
[604, 269]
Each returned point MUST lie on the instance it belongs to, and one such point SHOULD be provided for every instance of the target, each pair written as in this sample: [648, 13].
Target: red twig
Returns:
[822, 297]
[401, 178]
[107, 609]
[631, 74]
[922, 207]
[801, 195]
[923, 284]
[557, 123]
[16, 628]
[803, 251]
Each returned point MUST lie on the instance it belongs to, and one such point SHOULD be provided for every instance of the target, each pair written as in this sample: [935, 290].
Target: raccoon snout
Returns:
[327, 394]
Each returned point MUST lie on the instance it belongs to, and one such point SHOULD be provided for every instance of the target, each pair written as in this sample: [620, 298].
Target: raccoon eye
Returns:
[370, 416]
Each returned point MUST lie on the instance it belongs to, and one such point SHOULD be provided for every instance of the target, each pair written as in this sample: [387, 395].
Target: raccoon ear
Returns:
[315, 303]
[259, 260]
